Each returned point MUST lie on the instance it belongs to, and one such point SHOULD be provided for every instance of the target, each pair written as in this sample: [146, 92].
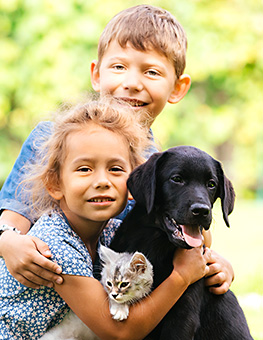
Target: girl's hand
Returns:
[191, 264]
[26, 258]
[220, 275]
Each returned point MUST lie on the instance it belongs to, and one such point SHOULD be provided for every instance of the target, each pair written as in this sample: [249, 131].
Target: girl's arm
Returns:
[26, 257]
[87, 298]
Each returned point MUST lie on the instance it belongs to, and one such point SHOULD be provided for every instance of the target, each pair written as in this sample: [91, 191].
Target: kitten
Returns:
[125, 277]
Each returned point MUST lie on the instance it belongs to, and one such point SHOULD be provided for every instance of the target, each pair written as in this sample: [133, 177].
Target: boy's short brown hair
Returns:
[146, 27]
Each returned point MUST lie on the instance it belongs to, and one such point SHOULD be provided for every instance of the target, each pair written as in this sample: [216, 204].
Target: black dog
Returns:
[174, 193]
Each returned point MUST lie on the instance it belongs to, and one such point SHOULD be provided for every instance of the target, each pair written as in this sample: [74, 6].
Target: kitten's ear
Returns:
[138, 262]
[107, 255]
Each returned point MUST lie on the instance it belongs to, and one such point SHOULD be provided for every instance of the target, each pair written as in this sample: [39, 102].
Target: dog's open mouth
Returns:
[191, 234]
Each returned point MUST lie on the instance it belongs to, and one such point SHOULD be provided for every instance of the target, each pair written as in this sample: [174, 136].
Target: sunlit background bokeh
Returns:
[46, 47]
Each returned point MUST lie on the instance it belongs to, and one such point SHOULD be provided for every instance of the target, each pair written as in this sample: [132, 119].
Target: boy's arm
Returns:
[11, 195]
[15, 220]
[25, 257]
[221, 273]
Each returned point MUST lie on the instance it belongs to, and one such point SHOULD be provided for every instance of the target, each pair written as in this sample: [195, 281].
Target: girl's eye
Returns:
[116, 169]
[177, 179]
[84, 169]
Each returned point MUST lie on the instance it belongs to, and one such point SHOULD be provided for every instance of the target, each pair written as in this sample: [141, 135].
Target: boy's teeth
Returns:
[136, 104]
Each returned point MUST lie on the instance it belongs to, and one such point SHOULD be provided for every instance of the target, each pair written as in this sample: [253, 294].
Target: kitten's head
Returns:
[126, 277]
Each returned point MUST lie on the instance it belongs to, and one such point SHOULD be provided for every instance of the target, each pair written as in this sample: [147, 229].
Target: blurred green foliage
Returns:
[46, 47]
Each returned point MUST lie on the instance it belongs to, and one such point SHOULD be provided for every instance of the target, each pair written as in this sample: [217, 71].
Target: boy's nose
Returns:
[132, 81]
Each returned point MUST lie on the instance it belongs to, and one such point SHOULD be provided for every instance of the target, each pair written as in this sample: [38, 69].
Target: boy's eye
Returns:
[153, 73]
[118, 67]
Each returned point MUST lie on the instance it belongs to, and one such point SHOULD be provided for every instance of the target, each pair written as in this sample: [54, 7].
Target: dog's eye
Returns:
[211, 184]
[177, 179]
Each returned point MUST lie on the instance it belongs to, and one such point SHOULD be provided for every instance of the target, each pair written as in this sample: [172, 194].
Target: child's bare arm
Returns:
[16, 220]
[88, 300]
[26, 257]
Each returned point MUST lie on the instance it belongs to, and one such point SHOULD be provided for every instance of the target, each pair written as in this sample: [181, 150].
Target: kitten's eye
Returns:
[109, 283]
[124, 284]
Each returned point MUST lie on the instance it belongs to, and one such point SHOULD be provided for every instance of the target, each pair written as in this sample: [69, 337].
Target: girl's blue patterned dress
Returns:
[27, 313]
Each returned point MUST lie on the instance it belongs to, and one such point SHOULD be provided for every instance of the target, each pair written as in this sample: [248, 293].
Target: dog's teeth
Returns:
[174, 222]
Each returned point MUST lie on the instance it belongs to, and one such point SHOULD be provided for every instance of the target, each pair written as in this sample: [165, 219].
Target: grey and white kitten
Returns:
[126, 278]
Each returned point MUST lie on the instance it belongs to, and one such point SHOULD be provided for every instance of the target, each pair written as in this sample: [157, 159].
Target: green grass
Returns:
[242, 246]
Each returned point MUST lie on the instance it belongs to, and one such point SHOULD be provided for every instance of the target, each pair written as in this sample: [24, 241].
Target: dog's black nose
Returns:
[200, 210]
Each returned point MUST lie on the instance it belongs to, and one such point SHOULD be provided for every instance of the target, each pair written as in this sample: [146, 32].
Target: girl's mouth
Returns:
[100, 199]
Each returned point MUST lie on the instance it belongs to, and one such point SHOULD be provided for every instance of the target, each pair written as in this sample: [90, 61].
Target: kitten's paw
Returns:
[119, 312]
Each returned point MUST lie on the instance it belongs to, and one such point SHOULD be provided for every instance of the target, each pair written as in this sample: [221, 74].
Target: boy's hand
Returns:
[220, 275]
[26, 258]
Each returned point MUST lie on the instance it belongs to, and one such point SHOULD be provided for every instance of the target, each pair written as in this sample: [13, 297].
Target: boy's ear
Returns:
[180, 89]
[95, 76]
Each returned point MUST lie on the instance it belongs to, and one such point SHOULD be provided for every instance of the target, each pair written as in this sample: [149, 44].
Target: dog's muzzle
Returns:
[182, 235]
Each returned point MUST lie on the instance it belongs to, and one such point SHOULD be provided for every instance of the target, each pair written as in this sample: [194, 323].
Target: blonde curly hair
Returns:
[109, 113]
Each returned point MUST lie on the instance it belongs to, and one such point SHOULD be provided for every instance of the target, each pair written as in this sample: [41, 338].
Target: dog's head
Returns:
[180, 186]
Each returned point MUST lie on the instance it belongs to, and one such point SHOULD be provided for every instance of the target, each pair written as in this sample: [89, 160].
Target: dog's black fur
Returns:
[173, 190]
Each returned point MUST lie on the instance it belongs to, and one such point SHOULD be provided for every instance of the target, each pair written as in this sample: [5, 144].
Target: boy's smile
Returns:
[143, 78]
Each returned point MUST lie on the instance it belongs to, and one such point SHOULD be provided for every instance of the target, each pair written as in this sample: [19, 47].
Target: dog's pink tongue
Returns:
[192, 235]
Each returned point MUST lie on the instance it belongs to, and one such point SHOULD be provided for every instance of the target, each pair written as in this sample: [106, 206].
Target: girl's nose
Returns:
[132, 81]
[102, 182]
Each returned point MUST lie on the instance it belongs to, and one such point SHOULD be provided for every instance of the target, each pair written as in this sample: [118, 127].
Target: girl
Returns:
[81, 184]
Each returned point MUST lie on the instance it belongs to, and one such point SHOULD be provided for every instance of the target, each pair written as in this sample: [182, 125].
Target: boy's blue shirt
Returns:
[10, 194]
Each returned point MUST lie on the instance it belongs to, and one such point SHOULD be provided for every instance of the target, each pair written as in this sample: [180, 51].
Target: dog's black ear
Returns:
[142, 182]
[226, 193]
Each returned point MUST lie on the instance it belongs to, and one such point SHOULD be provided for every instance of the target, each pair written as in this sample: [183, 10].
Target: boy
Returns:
[141, 59]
